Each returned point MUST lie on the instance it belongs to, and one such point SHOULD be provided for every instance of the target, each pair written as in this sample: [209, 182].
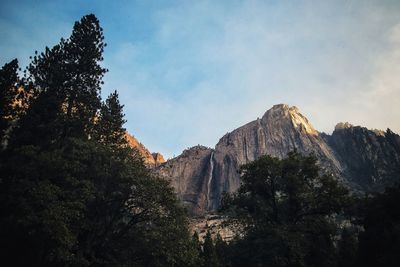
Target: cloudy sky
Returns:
[190, 71]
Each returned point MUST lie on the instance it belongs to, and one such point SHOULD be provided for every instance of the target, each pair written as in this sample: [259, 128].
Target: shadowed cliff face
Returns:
[190, 175]
[371, 158]
[200, 175]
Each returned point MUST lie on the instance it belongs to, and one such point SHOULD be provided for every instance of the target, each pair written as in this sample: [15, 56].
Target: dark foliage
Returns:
[379, 243]
[209, 254]
[111, 117]
[11, 99]
[286, 210]
[72, 193]
[348, 248]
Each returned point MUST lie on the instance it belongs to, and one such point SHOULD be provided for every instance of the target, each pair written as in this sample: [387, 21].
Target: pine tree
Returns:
[8, 97]
[109, 128]
[84, 53]
[197, 249]
[66, 84]
[196, 242]
[221, 249]
[285, 208]
[68, 198]
[209, 254]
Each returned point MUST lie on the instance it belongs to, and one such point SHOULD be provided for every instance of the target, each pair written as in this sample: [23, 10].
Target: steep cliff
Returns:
[281, 130]
[189, 174]
[150, 159]
[371, 158]
[200, 175]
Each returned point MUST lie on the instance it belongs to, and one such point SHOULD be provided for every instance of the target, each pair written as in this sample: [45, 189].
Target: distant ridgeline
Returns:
[74, 193]
[363, 159]
[150, 159]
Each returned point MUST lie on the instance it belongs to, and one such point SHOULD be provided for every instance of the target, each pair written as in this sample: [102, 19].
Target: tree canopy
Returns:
[286, 210]
[379, 243]
[12, 99]
[72, 193]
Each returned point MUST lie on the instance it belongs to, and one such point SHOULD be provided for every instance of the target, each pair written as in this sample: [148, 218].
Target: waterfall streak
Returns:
[210, 176]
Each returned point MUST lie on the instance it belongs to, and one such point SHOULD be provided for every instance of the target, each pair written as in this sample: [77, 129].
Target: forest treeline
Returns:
[73, 193]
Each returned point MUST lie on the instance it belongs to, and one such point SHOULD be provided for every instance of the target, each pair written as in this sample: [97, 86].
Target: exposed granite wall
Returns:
[360, 158]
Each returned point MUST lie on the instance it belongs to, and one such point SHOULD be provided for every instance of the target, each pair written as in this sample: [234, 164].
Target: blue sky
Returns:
[190, 71]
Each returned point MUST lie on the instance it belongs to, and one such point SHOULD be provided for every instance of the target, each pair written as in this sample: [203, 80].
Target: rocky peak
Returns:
[195, 151]
[282, 113]
[371, 158]
[158, 158]
[150, 159]
[347, 126]
[200, 175]
[360, 158]
[343, 125]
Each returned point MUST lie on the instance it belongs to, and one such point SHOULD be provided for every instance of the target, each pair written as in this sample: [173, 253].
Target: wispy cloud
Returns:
[219, 66]
[190, 71]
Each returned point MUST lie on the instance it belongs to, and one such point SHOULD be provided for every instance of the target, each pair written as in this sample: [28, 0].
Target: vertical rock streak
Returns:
[210, 176]
[358, 157]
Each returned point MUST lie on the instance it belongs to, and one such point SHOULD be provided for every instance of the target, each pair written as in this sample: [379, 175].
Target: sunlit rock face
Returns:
[150, 159]
[189, 174]
[281, 130]
[200, 175]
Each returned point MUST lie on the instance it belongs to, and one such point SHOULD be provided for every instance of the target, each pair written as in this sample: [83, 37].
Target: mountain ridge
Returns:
[150, 159]
[200, 175]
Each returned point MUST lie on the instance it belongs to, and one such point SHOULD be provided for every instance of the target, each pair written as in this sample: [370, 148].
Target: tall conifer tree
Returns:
[8, 96]
[66, 81]
[71, 192]
[110, 123]
[209, 254]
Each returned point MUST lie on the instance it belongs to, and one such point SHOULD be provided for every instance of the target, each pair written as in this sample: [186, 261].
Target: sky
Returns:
[188, 72]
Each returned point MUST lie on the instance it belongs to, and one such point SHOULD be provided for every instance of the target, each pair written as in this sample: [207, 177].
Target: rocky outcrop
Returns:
[158, 158]
[189, 175]
[150, 159]
[216, 224]
[371, 158]
[200, 175]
